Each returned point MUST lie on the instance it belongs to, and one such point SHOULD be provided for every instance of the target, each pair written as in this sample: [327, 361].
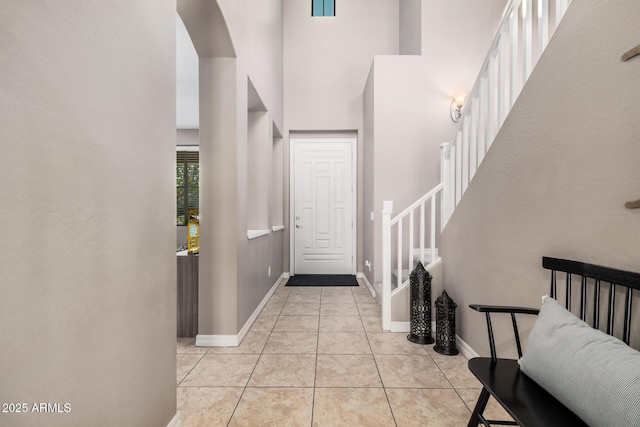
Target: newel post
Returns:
[387, 210]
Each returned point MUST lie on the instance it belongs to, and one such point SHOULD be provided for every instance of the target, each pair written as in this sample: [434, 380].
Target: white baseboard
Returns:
[175, 421]
[465, 349]
[217, 340]
[366, 282]
[400, 326]
[235, 340]
[258, 309]
[406, 326]
[285, 275]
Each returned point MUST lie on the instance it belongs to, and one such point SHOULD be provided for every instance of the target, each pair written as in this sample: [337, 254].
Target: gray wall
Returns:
[88, 307]
[368, 231]
[187, 137]
[259, 151]
[326, 63]
[455, 32]
[219, 196]
[410, 118]
[411, 121]
[410, 27]
[558, 174]
[254, 281]
[236, 41]
[256, 28]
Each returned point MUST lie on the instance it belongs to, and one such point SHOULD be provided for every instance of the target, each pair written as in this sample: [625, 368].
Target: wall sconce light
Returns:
[456, 107]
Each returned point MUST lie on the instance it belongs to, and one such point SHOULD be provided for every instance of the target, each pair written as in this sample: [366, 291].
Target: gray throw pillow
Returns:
[595, 375]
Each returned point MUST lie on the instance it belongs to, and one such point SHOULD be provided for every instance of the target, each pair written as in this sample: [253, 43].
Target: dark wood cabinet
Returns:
[187, 296]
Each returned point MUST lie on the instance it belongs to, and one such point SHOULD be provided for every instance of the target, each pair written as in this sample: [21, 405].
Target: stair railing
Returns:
[523, 34]
[406, 251]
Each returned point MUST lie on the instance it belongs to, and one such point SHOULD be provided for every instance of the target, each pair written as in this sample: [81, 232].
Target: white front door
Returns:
[323, 207]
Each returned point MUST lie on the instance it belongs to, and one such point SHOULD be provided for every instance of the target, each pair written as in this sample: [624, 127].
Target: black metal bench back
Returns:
[594, 280]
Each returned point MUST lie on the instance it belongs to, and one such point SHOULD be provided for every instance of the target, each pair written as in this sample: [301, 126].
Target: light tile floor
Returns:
[319, 357]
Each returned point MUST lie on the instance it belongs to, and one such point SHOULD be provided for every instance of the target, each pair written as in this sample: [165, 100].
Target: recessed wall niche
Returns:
[277, 179]
[259, 143]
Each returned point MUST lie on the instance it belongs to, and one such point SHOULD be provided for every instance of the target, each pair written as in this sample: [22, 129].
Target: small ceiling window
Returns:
[323, 7]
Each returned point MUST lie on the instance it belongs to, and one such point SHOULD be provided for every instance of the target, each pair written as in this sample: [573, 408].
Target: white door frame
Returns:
[354, 183]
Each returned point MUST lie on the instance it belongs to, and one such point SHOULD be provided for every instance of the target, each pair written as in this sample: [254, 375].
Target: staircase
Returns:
[523, 34]
[417, 257]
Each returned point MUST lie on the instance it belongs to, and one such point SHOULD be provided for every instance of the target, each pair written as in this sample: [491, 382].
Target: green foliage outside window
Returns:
[187, 184]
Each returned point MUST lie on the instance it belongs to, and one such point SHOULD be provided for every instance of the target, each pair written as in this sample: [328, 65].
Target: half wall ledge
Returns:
[252, 234]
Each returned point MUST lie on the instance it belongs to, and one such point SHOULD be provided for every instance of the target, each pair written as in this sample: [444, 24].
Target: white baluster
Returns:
[452, 180]
[411, 241]
[527, 30]
[432, 233]
[543, 25]
[523, 34]
[503, 75]
[473, 138]
[492, 92]
[465, 155]
[400, 252]
[387, 210]
[513, 70]
[422, 231]
[445, 179]
[561, 8]
[458, 167]
[484, 117]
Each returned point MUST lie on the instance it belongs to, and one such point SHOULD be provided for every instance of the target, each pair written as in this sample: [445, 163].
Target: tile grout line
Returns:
[194, 366]
[375, 362]
[450, 383]
[315, 371]
[257, 361]
[442, 365]
[187, 374]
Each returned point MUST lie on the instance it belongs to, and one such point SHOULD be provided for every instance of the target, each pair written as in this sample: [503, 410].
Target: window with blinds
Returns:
[187, 183]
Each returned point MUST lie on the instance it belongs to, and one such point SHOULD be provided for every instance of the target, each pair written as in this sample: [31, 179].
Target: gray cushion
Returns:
[595, 375]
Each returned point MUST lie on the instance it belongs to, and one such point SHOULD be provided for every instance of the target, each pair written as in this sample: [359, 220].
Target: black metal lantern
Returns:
[445, 325]
[420, 306]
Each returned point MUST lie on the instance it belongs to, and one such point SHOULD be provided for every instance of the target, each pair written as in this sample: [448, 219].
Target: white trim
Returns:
[217, 340]
[400, 326]
[235, 340]
[429, 267]
[406, 327]
[354, 181]
[175, 421]
[252, 234]
[433, 264]
[465, 349]
[286, 275]
[258, 309]
[187, 148]
[387, 210]
[400, 288]
[277, 228]
[366, 282]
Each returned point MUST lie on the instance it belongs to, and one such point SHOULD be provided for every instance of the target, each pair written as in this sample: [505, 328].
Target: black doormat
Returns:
[322, 280]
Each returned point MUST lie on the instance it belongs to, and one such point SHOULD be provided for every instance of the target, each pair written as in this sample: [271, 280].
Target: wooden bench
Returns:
[523, 399]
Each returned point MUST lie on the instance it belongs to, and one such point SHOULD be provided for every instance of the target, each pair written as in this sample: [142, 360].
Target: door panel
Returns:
[323, 211]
